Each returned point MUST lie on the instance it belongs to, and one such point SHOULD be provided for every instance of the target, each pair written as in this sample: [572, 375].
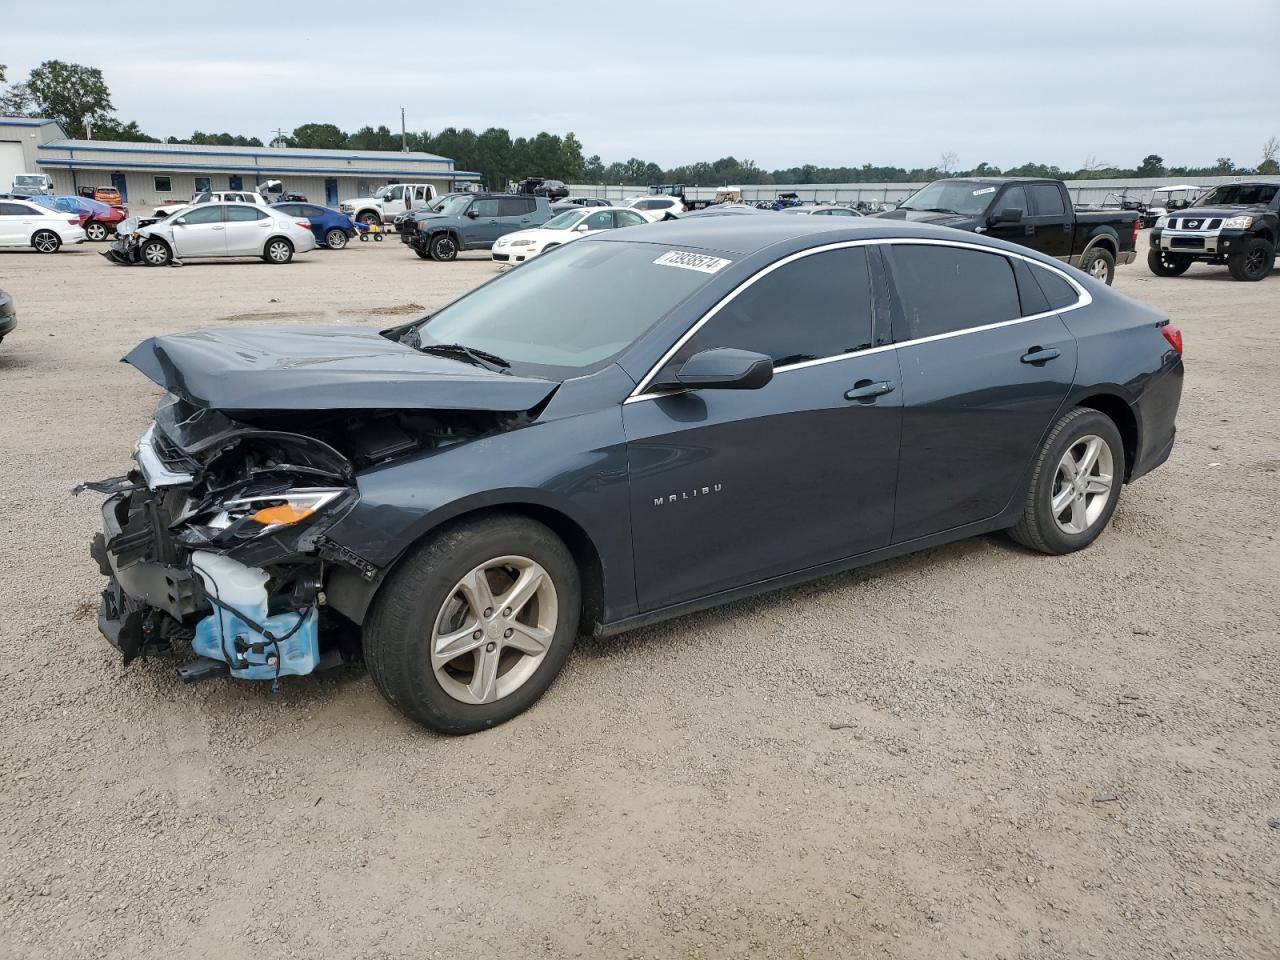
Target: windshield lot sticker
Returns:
[692, 261]
[978, 193]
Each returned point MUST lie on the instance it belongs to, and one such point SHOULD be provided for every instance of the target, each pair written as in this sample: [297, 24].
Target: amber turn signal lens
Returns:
[285, 513]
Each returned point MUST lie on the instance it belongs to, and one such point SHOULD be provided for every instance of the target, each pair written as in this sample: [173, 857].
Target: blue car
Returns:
[332, 229]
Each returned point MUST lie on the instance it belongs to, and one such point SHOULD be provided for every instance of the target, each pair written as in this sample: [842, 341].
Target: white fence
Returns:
[1089, 192]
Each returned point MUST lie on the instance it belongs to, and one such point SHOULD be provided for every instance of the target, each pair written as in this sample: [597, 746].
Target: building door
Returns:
[118, 181]
[233, 182]
[331, 192]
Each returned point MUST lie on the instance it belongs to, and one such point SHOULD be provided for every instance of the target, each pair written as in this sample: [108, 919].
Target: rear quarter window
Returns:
[1056, 289]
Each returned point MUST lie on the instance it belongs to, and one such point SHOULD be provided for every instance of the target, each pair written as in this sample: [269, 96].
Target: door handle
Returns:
[867, 390]
[1029, 230]
[1041, 354]
[219, 228]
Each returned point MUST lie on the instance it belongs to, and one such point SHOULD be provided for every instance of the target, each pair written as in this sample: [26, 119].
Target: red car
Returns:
[98, 219]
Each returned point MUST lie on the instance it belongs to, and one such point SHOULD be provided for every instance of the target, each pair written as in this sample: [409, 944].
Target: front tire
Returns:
[1099, 264]
[1254, 262]
[1075, 484]
[155, 253]
[1164, 264]
[472, 627]
[278, 250]
[46, 241]
[370, 218]
[335, 239]
[95, 231]
[444, 248]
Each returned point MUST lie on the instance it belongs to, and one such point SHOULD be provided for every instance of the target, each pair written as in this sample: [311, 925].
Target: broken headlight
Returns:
[263, 514]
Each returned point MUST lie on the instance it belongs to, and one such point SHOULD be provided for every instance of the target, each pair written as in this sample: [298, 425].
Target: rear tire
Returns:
[1099, 264]
[444, 248]
[278, 250]
[46, 241]
[1164, 264]
[95, 231]
[429, 598]
[1055, 501]
[1254, 262]
[335, 239]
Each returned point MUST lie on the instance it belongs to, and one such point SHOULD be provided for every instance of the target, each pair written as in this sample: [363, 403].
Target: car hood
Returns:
[274, 368]
[927, 216]
[540, 235]
[1213, 212]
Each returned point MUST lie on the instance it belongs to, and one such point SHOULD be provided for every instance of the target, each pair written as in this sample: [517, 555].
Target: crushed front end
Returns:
[213, 541]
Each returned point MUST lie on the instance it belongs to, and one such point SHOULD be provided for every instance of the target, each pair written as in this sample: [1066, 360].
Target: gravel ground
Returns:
[972, 752]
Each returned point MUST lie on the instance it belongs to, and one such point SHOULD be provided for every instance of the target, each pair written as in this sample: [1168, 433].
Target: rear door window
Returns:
[245, 213]
[1048, 200]
[945, 289]
[815, 307]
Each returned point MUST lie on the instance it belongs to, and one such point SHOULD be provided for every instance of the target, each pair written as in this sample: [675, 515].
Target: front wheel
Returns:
[473, 626]
[46, 241]
[1099, 264]
[335, 239]
[370, 218]
[95, 231]
[278, 250]
[1254, 262]
[155, 253]
[1075, 484]
[444, 248]
[1164, 264]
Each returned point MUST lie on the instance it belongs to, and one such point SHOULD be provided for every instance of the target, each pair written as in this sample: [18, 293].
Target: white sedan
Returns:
[224, 230]
[24, 224]
[526, 244]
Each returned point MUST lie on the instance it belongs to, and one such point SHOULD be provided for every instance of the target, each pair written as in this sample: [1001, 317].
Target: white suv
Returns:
[659, 208]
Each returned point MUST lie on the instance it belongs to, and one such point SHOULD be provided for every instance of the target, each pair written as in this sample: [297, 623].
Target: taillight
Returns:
[74, 221]
[304, 224]
[1174, 336]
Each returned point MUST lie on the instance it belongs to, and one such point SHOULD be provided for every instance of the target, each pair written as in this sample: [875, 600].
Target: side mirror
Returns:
[581, 228]
[725, 368]
[472, 213]
[1008, 215]
[180, 222]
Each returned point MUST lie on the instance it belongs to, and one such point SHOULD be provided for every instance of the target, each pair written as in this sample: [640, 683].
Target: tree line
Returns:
[79, 99]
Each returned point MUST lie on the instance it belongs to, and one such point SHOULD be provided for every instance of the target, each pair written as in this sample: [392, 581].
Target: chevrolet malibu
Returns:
[652, 421]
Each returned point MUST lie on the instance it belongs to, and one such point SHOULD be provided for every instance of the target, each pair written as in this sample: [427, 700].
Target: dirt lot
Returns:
[973, 752]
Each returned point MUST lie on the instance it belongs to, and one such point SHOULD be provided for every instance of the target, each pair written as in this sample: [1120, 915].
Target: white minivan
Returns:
[24, 224]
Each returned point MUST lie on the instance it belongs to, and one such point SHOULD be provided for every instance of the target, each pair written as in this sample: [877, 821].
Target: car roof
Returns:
[748, 235]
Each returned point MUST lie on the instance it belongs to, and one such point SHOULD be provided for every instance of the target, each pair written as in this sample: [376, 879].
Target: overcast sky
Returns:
[781, 84]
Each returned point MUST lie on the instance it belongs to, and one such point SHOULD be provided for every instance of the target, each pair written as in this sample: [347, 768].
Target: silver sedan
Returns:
[224, 230]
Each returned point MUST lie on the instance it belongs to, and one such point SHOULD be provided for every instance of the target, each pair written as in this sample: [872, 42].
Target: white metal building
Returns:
[148, 174]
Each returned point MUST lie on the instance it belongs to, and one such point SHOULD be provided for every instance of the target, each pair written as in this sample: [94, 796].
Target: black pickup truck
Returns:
[1034, 213]
[1236, 224]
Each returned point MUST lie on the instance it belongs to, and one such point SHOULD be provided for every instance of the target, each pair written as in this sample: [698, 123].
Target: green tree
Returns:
[317, 136]
[572, 164]
[494, 158]
[1269, 165]
[110, 128]
[18, 101]
[70, 93]
[1152, 165]
[1224, 165]
[593, 169]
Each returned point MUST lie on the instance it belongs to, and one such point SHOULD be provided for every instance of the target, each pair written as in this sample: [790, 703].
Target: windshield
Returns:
[570, 313]
[1240, 195]
[967, 197]
[564, 221]
[381, 193]
[454, 206]
[29, 181]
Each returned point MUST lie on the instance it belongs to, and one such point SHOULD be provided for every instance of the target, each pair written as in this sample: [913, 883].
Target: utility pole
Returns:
[404, 137]
[279, 140]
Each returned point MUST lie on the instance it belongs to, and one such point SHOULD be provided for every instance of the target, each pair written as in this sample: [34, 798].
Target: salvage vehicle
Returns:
[219, 231]
[408, 219]
[1030, 212]
[331, 228]
[1168, 199]
[25, 223]
[389, 201]
[1236, 224]
[8, 315]
[108, 195]
[644, 423]
[561, 229]
[98, 219]
[473, 221]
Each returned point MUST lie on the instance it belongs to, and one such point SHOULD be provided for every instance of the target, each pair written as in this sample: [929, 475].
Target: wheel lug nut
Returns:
[489, 647]
[488, 611]
[507, 633]
[477, 635]
[506, 612]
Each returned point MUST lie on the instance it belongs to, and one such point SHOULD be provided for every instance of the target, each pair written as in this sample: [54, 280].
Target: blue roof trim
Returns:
[261, 168]
[202, 150]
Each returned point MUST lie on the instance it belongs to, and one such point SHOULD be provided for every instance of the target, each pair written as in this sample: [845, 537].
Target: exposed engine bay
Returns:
[216, 540]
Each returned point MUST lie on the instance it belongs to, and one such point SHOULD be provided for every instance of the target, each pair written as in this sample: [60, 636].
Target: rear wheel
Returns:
[473, 626]
[155, 253]
[95, 231]
[1099, 264]
[1165, 264]
[46, 241]
[1254, 262]
[335, 239]
[1075, 484]
[278, 250]
[444, 247]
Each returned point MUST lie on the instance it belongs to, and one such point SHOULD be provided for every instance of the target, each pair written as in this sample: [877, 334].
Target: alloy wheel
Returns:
[494, 630]
[155, 254]
[445, 249]
[46, 242]
[336, 239]
[1098, 269]
[96, 231]
[1255, 261]
[1082, 486]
